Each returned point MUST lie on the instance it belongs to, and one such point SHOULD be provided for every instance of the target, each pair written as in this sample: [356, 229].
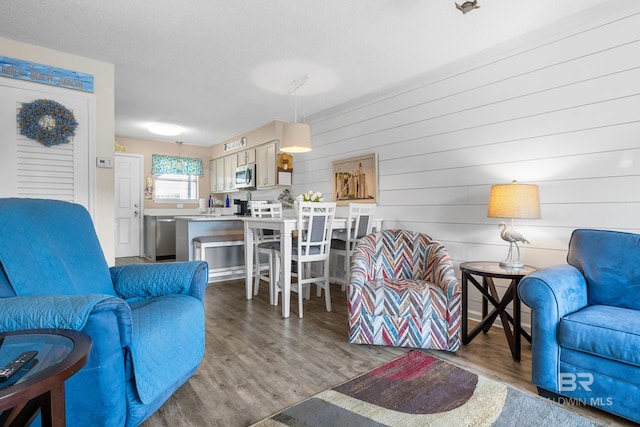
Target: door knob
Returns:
[135, 213]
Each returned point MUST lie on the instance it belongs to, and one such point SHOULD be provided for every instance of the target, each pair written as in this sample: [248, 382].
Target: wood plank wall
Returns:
[560, 109]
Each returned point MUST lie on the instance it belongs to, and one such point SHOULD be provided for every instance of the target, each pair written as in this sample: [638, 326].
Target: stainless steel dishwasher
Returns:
[165, 237]
[160, 237]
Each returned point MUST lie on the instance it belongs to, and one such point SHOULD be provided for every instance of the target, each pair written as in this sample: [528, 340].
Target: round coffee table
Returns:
[40, 383]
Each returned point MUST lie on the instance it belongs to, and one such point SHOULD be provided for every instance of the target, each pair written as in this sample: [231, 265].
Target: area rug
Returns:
[420, 390]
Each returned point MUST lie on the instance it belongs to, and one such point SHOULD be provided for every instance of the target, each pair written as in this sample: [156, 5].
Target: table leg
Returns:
[53, 407]
[485, 301]
[511, 323]
[50, 404]
[20, 415]
[248, 259]
[486, 321]
[465, 308]
[516, 320]
[508, 324]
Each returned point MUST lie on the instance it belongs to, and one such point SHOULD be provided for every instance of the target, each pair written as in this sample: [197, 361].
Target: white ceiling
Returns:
[222, 67]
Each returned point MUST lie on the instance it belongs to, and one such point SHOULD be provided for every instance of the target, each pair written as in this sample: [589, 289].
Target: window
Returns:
[174, 187]
[176, 177]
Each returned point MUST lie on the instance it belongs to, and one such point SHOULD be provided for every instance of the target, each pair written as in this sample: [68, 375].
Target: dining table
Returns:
[286, 226]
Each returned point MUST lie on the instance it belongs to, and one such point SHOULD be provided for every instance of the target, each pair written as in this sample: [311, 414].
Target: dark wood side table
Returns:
[39, 385]
[511, 324]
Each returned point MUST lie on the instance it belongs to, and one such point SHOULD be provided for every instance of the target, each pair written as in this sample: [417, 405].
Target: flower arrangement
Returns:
[310, 196]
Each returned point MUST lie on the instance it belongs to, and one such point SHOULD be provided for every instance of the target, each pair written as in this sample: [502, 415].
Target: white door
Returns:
[31, 169]
[128, 175]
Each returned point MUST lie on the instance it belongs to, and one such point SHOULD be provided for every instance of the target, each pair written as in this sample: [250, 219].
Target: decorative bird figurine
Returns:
[513, 237]
[468, 6]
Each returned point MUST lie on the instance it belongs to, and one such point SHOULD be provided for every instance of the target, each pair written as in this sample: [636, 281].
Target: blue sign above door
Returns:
[45, 74]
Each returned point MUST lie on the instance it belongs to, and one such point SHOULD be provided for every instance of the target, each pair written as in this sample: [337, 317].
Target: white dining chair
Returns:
[311, 246]
[264, 243]
[359, 224]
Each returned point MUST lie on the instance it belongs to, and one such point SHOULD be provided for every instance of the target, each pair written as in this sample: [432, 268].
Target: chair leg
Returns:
[327, 285]
[318, 288]
[303, 273]
[347, 269]
[333, 265]
[307, 273]
[327, 295]
[273, 269]
[286, 296]
[303, 290]
[300, 303]
[338, 271]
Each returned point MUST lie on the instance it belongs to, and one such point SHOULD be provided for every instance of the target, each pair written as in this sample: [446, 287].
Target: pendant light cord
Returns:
[293, 89]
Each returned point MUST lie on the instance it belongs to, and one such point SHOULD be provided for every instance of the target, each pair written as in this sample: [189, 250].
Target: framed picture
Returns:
[356, 179]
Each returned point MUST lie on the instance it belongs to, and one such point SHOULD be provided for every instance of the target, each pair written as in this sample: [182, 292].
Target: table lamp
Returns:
[513, 201]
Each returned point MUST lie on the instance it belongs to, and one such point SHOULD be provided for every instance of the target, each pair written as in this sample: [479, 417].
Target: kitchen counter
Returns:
[224, 262]
[188, 212]
[208, 217]
[170, 212]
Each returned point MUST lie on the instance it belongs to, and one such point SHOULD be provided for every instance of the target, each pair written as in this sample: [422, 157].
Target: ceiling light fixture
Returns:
[296, 137]
[468, 6]
[164, 129]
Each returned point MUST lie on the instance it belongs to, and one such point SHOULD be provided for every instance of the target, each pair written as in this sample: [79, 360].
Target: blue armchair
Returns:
[586, 323]
[146, 321]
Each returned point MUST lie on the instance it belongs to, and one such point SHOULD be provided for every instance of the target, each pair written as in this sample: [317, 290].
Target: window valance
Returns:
[161, 164]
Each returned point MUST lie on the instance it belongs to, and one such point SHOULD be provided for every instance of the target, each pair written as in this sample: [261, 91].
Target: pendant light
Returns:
[296, 137]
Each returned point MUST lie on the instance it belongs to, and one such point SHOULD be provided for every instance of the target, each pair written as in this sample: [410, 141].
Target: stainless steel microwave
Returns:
[246, 176]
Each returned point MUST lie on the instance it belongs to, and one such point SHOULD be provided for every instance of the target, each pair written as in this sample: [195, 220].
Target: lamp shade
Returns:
[514, 201]
[296, 138]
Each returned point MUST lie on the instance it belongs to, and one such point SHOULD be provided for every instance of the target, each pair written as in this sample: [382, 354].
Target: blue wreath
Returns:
[47, 122]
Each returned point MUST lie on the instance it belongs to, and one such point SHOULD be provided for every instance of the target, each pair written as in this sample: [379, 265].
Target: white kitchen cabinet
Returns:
[266, 165]
[230, 165]
[247, 156]
[213, 176]
[220, 177]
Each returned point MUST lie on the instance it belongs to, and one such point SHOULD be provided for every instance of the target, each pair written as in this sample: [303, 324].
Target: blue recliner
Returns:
[146, 321]
[586, 323]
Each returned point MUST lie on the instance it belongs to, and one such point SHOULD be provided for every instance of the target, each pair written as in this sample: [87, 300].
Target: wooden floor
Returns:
[257, 363]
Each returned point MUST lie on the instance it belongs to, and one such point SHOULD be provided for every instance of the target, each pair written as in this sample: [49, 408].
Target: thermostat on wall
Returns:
[104, 162]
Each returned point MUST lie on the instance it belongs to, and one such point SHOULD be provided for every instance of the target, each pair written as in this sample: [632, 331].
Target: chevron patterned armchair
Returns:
[403, 292]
